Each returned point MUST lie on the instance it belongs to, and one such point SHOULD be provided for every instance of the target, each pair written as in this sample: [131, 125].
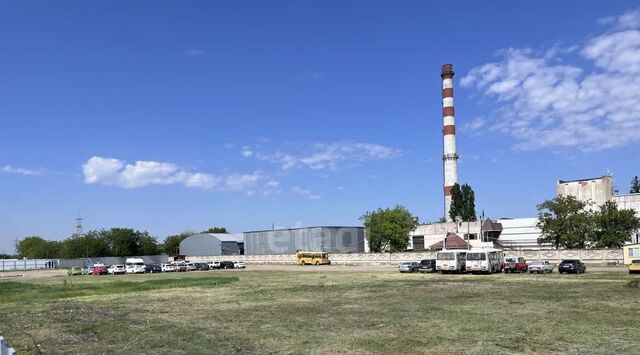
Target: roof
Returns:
[578, 180]
[223, 237]
[490, 225]
[297, 228]
[453, 241]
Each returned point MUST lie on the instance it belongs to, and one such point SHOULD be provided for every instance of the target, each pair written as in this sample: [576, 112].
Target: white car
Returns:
[167, 267]
[214, 265]
[190, 267]
[540, 267]
[116, 269]
[239, 265]
[135, 266]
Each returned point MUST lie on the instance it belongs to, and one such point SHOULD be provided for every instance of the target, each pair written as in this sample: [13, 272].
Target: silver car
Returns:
[540, 267]
[409, 266]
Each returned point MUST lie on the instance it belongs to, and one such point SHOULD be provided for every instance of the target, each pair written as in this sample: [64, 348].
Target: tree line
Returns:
[102, 243]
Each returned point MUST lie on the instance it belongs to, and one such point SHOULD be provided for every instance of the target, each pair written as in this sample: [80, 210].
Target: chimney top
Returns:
[447, 71]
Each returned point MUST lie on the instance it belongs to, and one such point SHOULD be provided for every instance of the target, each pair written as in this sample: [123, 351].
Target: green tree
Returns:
[216, 230]
[565, 222]
[171, 244]
[463, 203]
[388, 229]
[614, 226]
[88, 245]
[148, 245]
[35, 247]
[635, 185]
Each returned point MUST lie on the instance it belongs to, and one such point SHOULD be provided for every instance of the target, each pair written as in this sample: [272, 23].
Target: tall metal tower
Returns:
[79, 225]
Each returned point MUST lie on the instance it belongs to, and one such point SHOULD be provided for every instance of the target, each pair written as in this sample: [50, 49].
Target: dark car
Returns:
[152, 268]
[201, 266]
[226, 265]
[427, 265]
[572, 266]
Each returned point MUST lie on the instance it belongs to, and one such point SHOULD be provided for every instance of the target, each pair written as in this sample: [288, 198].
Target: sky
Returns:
[178, 116]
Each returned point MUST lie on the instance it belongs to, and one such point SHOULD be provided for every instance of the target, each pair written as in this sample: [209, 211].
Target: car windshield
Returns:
[476, 256]
[405, 264]
[569, 262]
[537, 263]
[510, 260]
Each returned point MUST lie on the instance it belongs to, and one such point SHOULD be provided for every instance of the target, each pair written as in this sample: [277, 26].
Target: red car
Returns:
[99, 270]
[515, 264]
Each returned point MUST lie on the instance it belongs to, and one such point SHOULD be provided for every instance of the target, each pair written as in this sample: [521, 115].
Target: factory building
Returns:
[289, 241]
[596, 192]
[212, 244]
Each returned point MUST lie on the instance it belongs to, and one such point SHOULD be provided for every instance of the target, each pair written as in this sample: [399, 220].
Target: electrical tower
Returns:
[79, 225]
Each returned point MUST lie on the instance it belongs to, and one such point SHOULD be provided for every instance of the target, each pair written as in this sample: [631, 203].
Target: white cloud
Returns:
[246, 151]
[329, 156]
[22, 171]
[305, 192]
[543, 102]
[115, 172]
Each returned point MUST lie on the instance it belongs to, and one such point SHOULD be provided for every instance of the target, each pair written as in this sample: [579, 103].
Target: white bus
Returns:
[450, 261]
[488, 261]
[134, 266]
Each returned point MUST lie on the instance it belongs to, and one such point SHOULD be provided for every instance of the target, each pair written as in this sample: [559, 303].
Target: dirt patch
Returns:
[33, 274]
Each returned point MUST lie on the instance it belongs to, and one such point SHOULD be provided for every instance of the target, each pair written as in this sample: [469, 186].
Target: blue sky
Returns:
[172, 116]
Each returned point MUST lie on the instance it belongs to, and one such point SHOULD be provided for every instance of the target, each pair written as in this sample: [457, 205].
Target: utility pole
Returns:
[79, 225]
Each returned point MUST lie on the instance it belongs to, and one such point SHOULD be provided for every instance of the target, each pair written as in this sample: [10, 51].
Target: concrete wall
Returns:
[632, 202]
[588, 256]
[288, 241]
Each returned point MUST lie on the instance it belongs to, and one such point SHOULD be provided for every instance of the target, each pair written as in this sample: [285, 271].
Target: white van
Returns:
[451, 260]
[488, 261]
[134, 266]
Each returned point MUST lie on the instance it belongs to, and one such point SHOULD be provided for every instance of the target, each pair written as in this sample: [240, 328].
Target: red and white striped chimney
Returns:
[450, 155]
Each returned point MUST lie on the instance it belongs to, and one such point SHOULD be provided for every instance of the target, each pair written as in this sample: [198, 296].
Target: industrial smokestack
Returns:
[450, 154]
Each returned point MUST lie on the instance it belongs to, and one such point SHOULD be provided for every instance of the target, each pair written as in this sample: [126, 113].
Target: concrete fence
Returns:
[588, 256]
[5, 349]
[111, 260]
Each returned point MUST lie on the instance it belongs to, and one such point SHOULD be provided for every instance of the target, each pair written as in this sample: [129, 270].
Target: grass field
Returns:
[337, 310]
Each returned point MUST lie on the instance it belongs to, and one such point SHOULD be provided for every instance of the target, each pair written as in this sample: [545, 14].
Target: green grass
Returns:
[323, 312]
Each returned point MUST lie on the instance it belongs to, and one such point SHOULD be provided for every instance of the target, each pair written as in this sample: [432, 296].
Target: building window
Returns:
[472, 236]
[418, 242]
[634, 252]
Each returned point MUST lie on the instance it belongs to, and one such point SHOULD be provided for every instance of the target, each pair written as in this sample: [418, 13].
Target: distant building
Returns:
[288, 241]
[596, 192]
[212, 244]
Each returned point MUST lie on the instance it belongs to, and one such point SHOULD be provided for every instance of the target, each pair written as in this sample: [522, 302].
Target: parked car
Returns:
[227, 265]
[239, 265]
[572, 266]
[100, 270]
[153, 268]
[180, 267]
[540, 267]
[214, 265]
[201, 266]
[135, 266]
[515, 264]
[117, 269]
[167, 267]
[190, 266]
[75, 270]
[634, 266]
[409, 266]
[427, 265]
[87, 270]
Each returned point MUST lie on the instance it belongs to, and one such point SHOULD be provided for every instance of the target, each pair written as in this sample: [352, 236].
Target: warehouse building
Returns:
[288, 241]
[212, 244]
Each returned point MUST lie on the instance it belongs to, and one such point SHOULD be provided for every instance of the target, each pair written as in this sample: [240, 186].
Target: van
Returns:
[134, 266]
[451, 261]
[312, 258]
[485, 261]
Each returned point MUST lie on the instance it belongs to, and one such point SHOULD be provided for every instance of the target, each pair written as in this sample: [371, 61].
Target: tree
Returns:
[388, 229]
[635, 185]
[614, 226]
[148, 245]
[88, 245]
[35, 247]
[463, 203]
[171, 243]
[565, 222]
[216, 230]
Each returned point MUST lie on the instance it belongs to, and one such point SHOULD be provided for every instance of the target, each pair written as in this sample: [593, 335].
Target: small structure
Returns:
[452, 241]
[630, 252]
[212, 244]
